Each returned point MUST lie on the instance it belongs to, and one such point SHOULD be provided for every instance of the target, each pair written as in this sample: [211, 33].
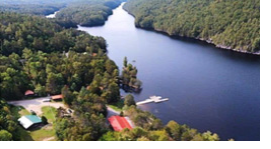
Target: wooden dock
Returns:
[155, 99]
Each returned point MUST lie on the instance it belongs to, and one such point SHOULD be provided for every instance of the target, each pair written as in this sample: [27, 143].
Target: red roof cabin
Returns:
[119, 123]
[57, 97]
[29, 93]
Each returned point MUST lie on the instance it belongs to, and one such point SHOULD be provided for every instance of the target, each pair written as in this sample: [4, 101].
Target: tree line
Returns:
[71, 12]
[86, 13]
[33, 7]
[226, 23]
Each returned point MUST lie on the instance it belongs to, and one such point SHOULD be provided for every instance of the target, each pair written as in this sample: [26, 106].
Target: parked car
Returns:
[69, 111]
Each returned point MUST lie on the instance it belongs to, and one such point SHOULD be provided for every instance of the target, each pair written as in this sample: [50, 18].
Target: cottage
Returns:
[29, 93]
[28, 121]
[119, 123]
[57, 97]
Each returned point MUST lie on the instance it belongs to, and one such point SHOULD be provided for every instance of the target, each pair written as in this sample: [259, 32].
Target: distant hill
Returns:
[71, 14]
[228, 24]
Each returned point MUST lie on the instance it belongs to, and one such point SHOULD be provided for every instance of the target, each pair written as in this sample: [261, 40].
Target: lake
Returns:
[209, 88]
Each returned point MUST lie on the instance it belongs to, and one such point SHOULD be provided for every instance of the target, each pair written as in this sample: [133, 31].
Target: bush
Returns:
[44, 120]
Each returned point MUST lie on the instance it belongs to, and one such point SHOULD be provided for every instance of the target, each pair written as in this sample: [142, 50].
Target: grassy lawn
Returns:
[19, 111]
[49, 113]
[47, 131]
[42, 133]
[117, 105]
[37, 134]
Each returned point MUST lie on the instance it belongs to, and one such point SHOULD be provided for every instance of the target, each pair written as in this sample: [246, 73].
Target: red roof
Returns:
[56, 97]
[119, 123]
[29, 92]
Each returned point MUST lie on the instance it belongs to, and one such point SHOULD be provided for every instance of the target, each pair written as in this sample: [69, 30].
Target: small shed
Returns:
[57, 97]
[119, 123]
[29, 93]
[28, 121]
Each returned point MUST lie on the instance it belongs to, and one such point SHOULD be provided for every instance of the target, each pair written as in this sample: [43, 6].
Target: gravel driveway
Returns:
[36, 104]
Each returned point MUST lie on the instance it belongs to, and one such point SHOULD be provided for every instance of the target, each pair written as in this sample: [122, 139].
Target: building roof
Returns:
[29, 92]
[57, 97]
[119, 123]
[29, 120]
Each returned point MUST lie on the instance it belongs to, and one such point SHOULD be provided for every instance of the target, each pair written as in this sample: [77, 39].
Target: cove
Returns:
[209, 88]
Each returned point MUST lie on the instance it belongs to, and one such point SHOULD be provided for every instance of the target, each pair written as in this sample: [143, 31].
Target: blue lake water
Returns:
[209, 88]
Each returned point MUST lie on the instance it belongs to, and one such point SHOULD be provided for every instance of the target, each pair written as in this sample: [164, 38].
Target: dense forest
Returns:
[71, 14]
[33, 7]
[228, 24]
[38, 54]
[87, 13]
[8, 123]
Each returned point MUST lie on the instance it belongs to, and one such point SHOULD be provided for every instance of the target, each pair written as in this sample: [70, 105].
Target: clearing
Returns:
[36, 104]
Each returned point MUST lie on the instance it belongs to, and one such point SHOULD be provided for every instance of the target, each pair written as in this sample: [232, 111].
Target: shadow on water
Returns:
[226, 52]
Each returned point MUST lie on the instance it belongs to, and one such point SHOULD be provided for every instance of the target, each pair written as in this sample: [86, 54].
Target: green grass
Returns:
[25, 135]
[19, 111]
[117, 105]
[42, 133]
[49, 113]
[37, 134]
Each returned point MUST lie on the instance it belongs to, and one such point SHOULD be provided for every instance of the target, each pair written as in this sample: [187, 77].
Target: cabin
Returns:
[119, 123]
[30, 121]
[29, 93]
[57, 97]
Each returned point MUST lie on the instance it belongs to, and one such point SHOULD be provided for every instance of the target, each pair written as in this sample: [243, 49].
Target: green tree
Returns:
[67, 95]
[5, 135]
[114, 93]
[129, 100]
[40, 90]
[208, 136]
[174, 129]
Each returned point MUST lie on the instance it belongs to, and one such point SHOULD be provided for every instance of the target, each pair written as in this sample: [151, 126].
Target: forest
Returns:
[40, 55]
[71, 12]
[228, 24]
[86, 13]
[33, 7]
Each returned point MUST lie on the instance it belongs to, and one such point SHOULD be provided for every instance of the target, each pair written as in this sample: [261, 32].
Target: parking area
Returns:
[36, 104]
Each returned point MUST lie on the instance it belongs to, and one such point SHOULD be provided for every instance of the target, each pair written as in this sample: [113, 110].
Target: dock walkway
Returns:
[155, 99]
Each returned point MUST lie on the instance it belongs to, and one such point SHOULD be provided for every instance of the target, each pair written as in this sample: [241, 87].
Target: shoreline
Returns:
[210, 42]
[53, 16]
